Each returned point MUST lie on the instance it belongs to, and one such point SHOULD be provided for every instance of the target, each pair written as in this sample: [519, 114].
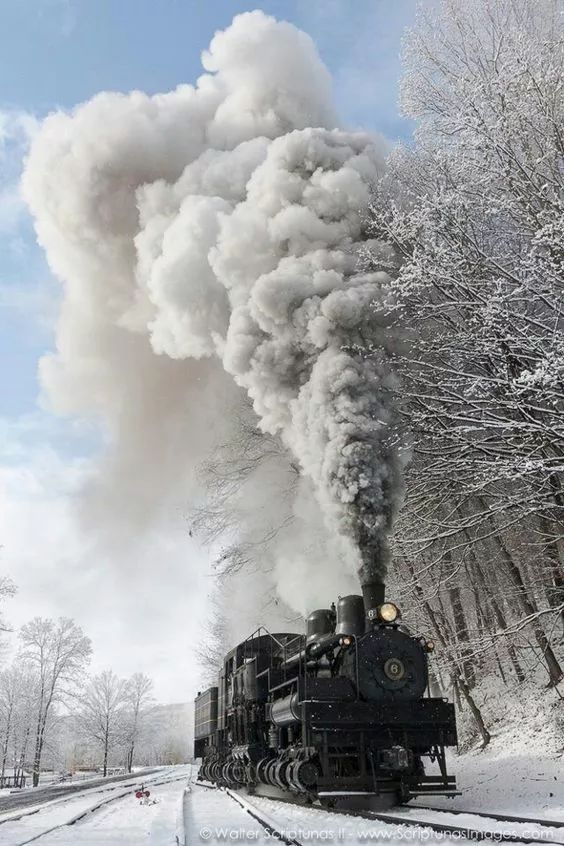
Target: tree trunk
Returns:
[37, 754]
[553, 667]
[553, 552]
[461, 628]
[106, 744]
[476, 713]
[558, 536]
[485, 633]
[6, 744]
[19, 767]
[499, 616]
[458, 683]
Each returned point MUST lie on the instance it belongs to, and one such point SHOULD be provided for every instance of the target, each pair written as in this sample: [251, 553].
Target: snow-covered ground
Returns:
[512, 776]
[521, 772]
[128, 823]
[503, 780]
[111, 809]
[210, 816]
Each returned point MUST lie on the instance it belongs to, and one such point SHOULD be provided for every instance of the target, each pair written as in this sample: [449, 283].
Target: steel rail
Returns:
[492, 816]
[91, 810]
[474, 834]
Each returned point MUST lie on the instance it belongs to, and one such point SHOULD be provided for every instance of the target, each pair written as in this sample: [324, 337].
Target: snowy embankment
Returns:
[521, 772]
[523, 780]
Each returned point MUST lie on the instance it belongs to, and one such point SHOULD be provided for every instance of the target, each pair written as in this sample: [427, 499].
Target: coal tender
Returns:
[339, 715]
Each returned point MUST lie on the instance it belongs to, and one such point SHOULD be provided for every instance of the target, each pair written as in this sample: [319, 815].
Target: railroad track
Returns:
[270, 825]
[531, 831]
[492, 816]
[51, 792]
[49, 804]
[84, 812]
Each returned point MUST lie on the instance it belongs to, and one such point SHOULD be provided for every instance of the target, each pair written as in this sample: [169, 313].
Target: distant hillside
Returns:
[168, 734]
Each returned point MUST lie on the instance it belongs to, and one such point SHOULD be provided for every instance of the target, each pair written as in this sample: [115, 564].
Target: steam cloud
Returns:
[213, 231]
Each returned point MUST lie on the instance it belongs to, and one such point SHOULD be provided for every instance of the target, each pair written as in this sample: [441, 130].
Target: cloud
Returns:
[144, 611]
[146, 597]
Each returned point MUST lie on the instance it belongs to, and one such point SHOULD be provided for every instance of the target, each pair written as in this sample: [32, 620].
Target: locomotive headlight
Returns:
[388, 612]
[428, 645]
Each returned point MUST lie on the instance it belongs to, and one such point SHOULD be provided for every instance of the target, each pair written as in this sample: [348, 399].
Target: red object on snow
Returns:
[147, 793]
[138, 794]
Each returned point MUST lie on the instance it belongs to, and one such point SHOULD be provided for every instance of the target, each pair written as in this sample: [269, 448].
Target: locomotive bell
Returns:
[350, 616]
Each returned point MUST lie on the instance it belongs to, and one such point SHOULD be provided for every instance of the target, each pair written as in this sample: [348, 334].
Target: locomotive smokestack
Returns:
[373, 594]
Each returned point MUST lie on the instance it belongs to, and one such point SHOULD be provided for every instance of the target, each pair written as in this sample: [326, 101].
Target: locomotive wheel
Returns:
[304, 775]
[269, 772]
[280, 774]
[231, 768]
[260, 771]
[239, 773]
[291, 779]
[250, 774]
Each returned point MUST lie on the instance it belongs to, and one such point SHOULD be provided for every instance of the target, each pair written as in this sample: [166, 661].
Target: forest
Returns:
[57, 720]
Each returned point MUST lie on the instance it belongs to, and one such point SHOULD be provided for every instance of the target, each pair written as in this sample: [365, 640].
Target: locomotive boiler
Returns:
[338, 714]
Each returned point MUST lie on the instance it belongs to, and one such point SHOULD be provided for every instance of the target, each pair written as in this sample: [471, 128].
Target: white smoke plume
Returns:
[216, 230]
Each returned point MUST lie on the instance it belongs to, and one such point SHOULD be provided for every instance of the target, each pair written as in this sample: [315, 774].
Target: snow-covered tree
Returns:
[101, 716]
[17, 696]
[138, 700]
[57, 653]
[474, 211]
[7, 590]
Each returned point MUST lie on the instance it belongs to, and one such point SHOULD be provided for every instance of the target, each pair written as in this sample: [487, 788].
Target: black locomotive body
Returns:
[339, 712]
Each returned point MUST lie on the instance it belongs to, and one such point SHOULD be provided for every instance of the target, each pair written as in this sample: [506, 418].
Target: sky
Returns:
[145, 609]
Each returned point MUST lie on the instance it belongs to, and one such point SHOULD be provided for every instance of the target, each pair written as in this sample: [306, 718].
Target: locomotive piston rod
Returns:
[314, 650]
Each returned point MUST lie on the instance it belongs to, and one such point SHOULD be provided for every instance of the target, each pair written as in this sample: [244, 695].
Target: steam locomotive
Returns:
[334, 715]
